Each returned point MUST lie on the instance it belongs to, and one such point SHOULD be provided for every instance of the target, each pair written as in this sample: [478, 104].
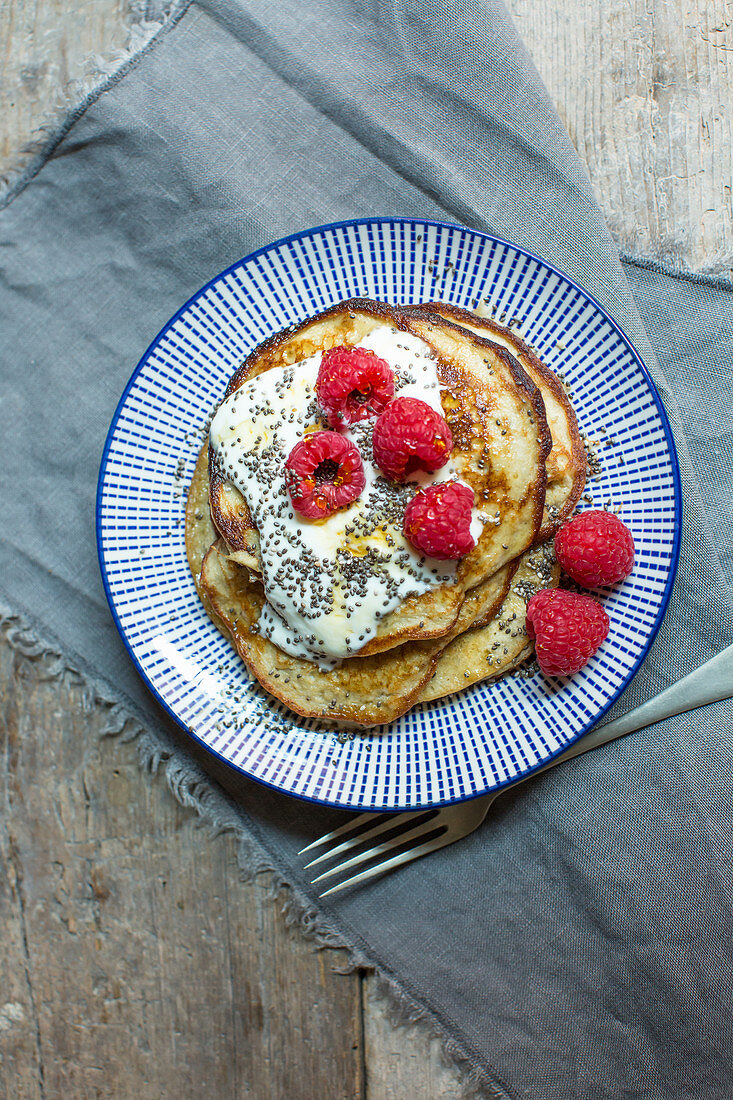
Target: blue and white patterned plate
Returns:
[443, 752]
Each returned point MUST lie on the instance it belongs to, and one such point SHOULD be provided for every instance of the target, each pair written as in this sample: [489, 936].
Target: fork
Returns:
[425, 831]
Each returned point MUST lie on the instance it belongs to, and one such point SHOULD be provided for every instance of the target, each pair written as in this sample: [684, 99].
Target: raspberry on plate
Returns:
[438, 520]
[408, 436]
[353, 384]
[595, 548]
[567, 627]
[323, 473]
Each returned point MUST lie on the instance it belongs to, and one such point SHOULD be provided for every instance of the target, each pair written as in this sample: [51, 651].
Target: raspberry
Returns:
[438, 520]
[409, 436]
[323, 473]
[352, 384]
[567, 627]
[595, 548]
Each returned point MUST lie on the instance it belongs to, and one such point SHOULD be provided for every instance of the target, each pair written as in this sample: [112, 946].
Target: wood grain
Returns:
[46, 47]
[645, 89]
[402, 1063]
[136, 962]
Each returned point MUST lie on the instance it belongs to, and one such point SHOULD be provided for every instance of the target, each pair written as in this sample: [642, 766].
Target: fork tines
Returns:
[357, 834]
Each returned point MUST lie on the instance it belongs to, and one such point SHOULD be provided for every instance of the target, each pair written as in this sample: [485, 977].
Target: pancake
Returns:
[500, 433]
[363, 691]
[488, 640]
[501, 441]
[566, 462]
[491, 649]
[515, 444]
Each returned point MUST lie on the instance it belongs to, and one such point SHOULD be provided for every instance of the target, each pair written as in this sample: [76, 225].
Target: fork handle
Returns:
[709, 683]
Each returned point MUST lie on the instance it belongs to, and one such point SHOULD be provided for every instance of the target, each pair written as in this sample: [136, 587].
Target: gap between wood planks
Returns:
[133, 951]
[136, 955]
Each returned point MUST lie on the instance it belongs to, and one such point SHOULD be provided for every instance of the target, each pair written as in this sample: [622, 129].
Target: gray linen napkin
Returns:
[579, 944]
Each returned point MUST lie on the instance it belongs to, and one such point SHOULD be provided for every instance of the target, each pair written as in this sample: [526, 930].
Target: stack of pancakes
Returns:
[516, 443]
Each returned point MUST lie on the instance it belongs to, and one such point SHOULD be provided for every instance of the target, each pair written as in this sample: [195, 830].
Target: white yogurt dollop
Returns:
[328, 583]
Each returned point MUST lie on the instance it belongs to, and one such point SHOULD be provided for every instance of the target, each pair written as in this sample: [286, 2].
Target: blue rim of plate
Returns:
[669, 439]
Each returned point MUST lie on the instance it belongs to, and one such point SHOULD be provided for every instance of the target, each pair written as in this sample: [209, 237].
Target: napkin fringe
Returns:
[716, 275]
[194, 789]
[672, 260]
[100, 72]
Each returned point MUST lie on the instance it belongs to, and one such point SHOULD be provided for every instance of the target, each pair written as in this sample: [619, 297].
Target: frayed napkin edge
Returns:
[101, 72]
[104, 71]
[194, 789]
[191, 786]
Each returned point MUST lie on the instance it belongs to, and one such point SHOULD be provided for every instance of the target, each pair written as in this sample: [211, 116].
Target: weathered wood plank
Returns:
[645, 89]
[148, 946]
[402, 1063]
[46, 46]
[19, 1054]
[135, 961]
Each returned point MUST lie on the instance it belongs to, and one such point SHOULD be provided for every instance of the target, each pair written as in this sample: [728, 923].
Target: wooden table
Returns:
[135, 961]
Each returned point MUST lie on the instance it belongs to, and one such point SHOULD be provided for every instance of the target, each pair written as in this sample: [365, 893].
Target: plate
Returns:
[438, 753]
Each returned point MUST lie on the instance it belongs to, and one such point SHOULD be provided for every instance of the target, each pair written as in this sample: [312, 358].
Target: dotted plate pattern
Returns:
[486, 736]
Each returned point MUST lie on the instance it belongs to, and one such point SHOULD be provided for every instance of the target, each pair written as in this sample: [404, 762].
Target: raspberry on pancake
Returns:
[353, 384]
[410, 436]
